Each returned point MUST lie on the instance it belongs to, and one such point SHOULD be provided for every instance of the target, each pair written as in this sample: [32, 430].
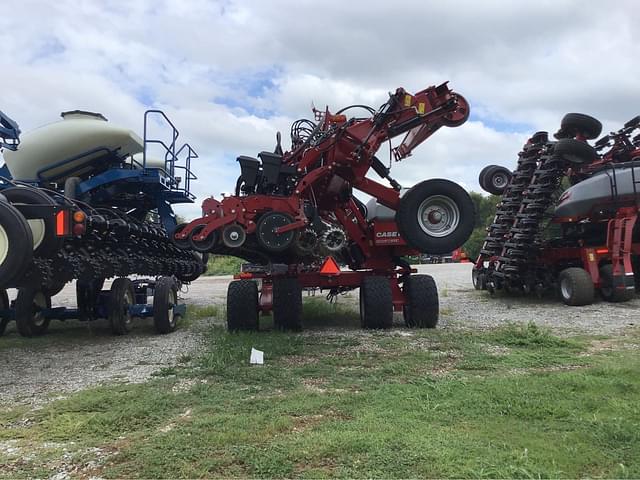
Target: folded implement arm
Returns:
[307, 192]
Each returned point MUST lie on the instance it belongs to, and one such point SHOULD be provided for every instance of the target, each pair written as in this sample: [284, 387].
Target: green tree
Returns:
[485, 212]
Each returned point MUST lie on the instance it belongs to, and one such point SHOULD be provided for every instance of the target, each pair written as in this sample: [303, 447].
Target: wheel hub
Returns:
[499, 181]
[438, 216]
[435, 216]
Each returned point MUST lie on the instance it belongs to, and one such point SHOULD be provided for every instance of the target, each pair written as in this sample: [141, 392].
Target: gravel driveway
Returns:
[73, 356]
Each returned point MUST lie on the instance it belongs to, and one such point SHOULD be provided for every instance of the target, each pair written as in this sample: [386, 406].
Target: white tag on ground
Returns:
[257, 357]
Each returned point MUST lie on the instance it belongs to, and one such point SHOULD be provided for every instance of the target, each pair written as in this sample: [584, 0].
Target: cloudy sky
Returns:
[232, 73]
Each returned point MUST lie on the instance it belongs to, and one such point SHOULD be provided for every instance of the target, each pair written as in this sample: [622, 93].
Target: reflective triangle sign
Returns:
[329, 267]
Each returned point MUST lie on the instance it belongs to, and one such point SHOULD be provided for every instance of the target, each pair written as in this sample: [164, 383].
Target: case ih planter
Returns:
[294, 215]
[597, 246]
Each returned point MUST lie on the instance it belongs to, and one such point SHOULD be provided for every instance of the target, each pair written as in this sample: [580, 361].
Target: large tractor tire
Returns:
[165, 297]
[242, 305]
[4, 305]
[576, 286]
[30, 320]
[376, 303]
[436, 216]
[43, 230]
[581, 124]
[608, 292]
[287, 304]
[422, 307]
[121, 297]
[574, 151]
[16, 243]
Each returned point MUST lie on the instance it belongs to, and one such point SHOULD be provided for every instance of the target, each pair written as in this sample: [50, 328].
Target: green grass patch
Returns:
[198, 311]
[223, 265]
[514, 402]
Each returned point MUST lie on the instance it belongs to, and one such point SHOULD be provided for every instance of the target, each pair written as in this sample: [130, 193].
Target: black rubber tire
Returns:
[50, 242]
[29, 303]
[287, 304]
[574, 151]
[206, 245]
[242, 305]
[479, 279]
[409, 226]
[579, 123]
[576, 287]
[231, 230]
[609, 293]
[121, 296]
[263, 229]
[87, 297]
[71, 188]
[165, 297]
[19, 244]
[422, 307]
[4, 305]
[376, 303]
[496, 179]
[481, 176]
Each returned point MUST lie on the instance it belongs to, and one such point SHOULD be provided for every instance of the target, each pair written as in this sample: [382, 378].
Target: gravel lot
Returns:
[76, 355]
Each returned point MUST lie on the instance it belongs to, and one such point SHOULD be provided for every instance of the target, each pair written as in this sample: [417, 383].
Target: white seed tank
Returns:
[76, 134]
[378, 211]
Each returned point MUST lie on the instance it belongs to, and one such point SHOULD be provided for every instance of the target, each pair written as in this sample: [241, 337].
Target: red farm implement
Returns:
[595, 245]
[294, 213]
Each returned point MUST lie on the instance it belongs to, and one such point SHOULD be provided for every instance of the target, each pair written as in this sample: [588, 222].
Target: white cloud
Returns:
[232, 73]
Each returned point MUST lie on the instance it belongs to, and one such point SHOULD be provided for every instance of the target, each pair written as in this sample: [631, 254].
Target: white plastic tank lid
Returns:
[74, 114]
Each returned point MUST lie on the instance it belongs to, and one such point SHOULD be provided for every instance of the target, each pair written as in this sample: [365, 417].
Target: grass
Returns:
[512, 402]
[223, 265]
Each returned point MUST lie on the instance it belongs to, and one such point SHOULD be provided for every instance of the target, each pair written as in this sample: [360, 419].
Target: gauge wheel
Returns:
[121, 297]
[30, 305]
[203, 246]
[165, 297]
[266, 233]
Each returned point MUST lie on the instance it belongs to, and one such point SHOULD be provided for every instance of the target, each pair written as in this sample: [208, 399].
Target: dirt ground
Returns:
[75, 355]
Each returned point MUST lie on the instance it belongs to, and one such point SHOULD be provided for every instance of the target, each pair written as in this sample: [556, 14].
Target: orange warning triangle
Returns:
[329, 267]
